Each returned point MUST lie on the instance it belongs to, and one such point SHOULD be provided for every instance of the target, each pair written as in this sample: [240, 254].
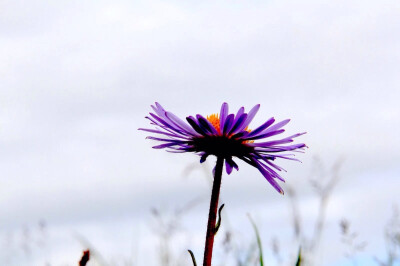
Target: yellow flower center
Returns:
[214, 120]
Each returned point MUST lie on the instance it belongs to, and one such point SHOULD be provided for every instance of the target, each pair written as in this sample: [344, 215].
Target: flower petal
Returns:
[163, 133]
[275, 127]
[240, 135]
[228, 167]
[160, 111]
[166, 123]
[281, 148]
[239, 113]
[223, 114]
[228, 124]
[204, 157]
[262, 127]
[266, 135]
[237, 127]
[180, 123]
[251, 115]
[205, 124]
[278, 142]
[232, 163]
[165, 145]
[195, 126]
[168, 140]
[268, 175]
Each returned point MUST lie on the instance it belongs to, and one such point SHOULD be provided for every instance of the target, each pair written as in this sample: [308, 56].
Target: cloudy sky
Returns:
[78, 77]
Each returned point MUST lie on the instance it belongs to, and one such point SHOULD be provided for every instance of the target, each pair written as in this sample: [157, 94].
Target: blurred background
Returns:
[78, 77]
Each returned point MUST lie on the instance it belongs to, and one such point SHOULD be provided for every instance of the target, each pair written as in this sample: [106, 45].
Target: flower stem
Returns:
[212, 216]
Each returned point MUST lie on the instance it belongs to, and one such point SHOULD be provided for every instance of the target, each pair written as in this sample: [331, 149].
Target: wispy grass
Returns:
[259, 244]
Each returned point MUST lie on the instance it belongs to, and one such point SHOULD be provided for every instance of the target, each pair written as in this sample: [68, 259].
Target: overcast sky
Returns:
[78, 77]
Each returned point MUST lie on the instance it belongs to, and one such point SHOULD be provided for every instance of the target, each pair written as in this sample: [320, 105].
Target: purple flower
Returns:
[227, 136]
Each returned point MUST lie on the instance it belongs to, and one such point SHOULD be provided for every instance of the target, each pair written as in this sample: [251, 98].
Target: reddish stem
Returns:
[212, 216]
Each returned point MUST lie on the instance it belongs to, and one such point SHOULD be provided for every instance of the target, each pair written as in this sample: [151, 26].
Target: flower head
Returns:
[226, 135]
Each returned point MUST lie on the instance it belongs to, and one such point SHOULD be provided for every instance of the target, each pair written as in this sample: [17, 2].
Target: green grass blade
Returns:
[258, 240]
[193, 258]
[298, 263]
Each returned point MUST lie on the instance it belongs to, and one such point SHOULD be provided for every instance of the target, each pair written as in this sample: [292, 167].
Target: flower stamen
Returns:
[214, 120]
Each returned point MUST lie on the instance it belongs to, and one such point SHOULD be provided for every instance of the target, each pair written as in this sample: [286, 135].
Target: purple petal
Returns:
[163, 133]
[238, 125]
[277, 167]
[176, 151]
[154, 122]
[261, 128]
[272, 143]
[276, 126]
[204, 123]
[278, 142]
[228, 124]
[233, 164]
[170, 120]
[282, 148]
[160, 111]
[169, 140]
[266, 135]
[169, 129]
[166, 123]
[251, 115]
[240, 135]
[204, 157]
[228, 167]
[165, 145]
[287, 157]
[268, 176]
[272, 172]
[239, 113]
[180, 123]
[223, 114]
[195, 126]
